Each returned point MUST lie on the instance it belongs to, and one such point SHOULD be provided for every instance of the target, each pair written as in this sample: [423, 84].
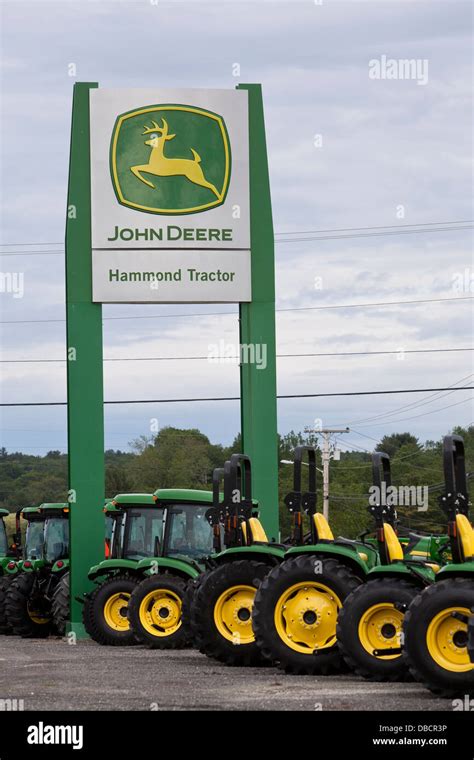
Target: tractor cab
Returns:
[56, 532]
[137, 526]
[50, 522]
[34, 538]
[186, 531]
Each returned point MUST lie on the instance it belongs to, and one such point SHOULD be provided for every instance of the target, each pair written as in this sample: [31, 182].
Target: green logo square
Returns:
[170, 159]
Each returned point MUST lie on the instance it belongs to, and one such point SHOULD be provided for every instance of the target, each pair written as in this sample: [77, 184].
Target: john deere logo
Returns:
[170, 159]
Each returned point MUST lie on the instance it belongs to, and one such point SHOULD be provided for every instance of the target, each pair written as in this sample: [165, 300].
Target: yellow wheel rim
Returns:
[160, 612]
[233, 614]
[306, 615]
[36, 616]
[446, 639]
[115, 611]
[380, 627]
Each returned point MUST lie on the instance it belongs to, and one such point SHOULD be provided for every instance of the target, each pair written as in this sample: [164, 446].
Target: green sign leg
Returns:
[257, 328]
[84, 368]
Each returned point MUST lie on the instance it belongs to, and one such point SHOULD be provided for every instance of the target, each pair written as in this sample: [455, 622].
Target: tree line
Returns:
[185, 458]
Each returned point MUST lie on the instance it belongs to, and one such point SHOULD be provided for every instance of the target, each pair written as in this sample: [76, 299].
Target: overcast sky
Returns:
[393, 152]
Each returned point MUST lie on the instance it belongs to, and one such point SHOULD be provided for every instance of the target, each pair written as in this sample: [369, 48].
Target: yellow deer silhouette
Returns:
[170, 167]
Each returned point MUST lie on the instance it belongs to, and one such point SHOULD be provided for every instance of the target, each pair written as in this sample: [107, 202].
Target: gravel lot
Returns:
[55, 675]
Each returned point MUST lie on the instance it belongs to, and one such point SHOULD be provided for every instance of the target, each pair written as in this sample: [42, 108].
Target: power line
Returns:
[357, 229]
[236, 314]
[311, 232]
[373, 234]
[393, 229]
[229, 359]
[237, 398]
[413, 404]
[423, 414]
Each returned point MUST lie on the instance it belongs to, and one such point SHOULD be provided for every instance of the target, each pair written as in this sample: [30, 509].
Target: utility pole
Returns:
[327, 453]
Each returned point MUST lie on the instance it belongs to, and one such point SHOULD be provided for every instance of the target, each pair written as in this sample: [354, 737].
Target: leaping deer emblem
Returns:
[161, 166]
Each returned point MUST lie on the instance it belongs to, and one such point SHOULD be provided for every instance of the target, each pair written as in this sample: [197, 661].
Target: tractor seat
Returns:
[257, 532]
[393, 547]
[465, 537]
[394, 551]
[323, 531]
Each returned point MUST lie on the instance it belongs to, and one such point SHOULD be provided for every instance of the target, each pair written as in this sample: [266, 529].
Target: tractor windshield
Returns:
[3, 540]
[189, 532]
[34, 539]
[56, 539]
[142, 529]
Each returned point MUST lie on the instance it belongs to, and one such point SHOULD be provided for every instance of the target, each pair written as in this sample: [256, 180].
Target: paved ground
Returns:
[55, 675]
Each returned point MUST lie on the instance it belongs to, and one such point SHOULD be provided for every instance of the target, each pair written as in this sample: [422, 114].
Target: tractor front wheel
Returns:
[369, 629]
[155, 612]
[60, 605]
[436, 637]
[28, 613]
[221, 615]
[105, 612]
[295, 614]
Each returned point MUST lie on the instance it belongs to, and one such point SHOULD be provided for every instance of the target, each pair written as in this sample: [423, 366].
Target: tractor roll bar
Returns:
[295, 500]
[456, 498]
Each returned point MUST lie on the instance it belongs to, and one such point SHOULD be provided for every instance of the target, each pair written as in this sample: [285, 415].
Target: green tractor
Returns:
[162, 540]
[220, 609]
[369, 628]
[28, 604]
[297, 605]
[61, 597]
[11, 565]
[438, 625]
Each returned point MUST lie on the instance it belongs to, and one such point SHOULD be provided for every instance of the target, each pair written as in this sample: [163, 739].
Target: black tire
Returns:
[60, 605]
[5, 581]
[94, 612]
[188, 601]
[382, 590]
[226, 644]
[440, 679]
[302, 569]
[25, 606]
[146, 611]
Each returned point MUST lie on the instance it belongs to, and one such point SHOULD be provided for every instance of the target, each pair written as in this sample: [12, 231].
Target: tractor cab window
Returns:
[34, 539]
[56, 539]
[110, 524]
[189, 531]
[143, 532]
[3, 539]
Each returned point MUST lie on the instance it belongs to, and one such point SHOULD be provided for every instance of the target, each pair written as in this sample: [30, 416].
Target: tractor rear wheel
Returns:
[105, 611]
[370, 623]
[5, 581]
[295, 614]
[28, 613]
[436, 637]
[221, 615]
[60, 605]
[155, 612]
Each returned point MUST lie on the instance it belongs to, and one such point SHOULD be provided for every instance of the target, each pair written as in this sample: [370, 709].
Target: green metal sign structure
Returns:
[207, 186]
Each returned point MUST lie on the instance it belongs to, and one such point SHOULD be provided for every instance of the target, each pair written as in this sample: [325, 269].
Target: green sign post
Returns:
[84, 319]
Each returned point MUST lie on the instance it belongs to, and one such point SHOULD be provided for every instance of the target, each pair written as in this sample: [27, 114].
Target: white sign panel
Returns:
[170, 196]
